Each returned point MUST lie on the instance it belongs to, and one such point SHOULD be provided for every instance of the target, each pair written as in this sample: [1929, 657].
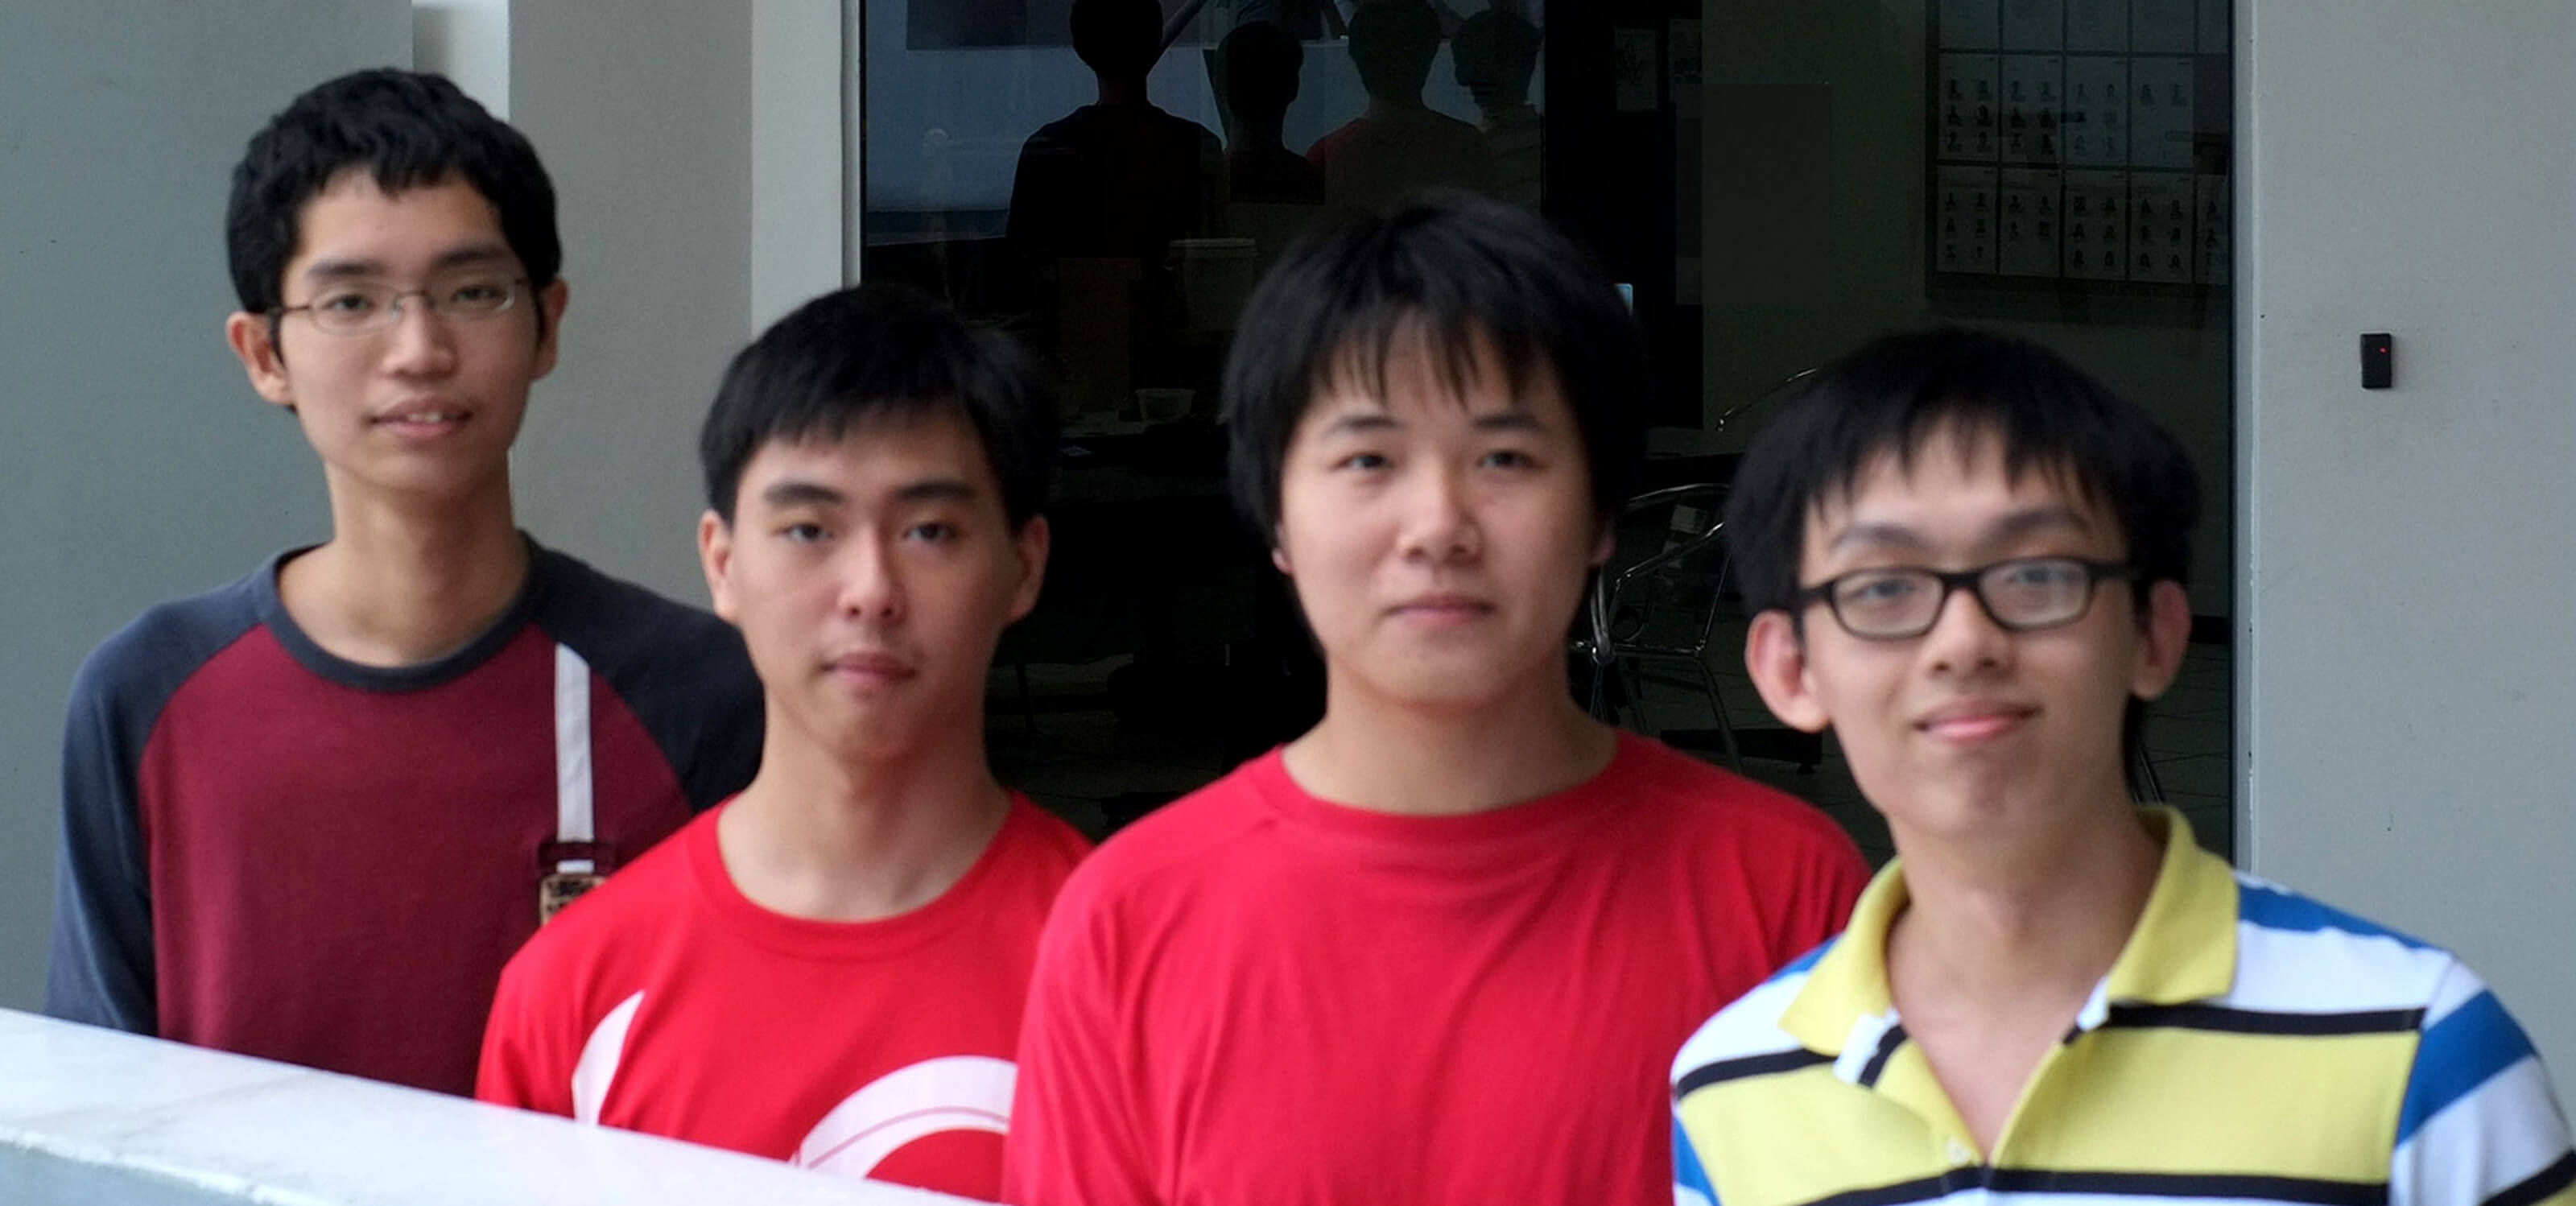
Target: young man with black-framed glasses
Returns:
[309, 815]
[1969, 559]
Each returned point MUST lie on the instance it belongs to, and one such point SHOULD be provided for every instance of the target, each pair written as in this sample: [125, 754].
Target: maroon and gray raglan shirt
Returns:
[271, 850]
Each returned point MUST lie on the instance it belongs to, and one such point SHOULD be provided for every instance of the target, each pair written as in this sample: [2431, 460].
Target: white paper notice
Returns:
[2097, 225]
[2033, 93]
[2096, 125]
[1964, 221]
[2031, 229]
[2160, 113]
[1971, 91]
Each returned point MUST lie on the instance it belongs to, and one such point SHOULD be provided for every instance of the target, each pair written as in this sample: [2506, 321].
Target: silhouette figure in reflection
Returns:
[1119, 178]
[1099, 197]
[1260, 63]
[1496, 54]
[1399, 144]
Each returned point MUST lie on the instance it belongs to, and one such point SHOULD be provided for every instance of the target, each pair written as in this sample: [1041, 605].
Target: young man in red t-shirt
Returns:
[829, 968]
[1434, 950]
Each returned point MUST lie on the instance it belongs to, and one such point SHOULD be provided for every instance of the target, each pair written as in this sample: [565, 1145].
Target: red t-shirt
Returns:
[1258, 996]
[667, 1002]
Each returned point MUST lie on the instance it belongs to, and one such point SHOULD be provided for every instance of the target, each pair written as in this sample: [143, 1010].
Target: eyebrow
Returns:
[1360, 421]
[470, 255]
[1515, 419]
[2011, 527]
[794, 493]
[797, 493]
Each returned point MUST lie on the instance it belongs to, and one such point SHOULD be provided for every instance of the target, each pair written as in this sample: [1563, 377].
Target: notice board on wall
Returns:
[2078, 146]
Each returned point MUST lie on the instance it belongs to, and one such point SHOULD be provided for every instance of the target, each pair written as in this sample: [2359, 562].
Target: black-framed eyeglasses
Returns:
[1900, 602]
[356, 309]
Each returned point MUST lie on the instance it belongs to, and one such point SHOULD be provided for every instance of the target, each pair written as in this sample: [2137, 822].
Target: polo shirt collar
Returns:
[2183, 949]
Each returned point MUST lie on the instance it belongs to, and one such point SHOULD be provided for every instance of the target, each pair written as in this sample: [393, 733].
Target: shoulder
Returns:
[2298, 954]
[624, 630]
[1746, 1039]
[1180, 849]
[1700, 802]
[579, 601]
[1045, 837]
[137, 668]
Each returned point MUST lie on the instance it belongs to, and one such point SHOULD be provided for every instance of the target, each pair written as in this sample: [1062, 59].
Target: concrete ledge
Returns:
[95, 1116]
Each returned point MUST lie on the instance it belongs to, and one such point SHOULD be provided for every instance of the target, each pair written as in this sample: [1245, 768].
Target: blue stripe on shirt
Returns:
[2458, 1054]
[1687, 1174]
[2274, 909]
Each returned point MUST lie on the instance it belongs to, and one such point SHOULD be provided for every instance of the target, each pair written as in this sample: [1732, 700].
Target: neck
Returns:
[407, 579]
[825, 836]
[1382, 107]
[1254, 132]
[1390, 756]
[1122, 91]
[2025, 915]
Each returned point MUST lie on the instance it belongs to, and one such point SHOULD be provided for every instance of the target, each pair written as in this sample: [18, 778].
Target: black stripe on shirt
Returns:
[2539, 1185]
[2248, 1021]
[1752, 1065]
[2301, 1190]
[1887, 1045]
[2312, 1191]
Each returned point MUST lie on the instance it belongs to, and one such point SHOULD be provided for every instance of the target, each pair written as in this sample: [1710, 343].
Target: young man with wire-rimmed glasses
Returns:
[1969, 559]
[309, 815]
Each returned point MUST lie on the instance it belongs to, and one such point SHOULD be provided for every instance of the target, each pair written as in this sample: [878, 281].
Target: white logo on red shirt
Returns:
[935, 1096]
[951, 1093]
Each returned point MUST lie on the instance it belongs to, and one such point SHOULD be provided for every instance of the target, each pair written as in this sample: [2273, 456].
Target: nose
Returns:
[1440, 518]
[871, 588]
[421, 342]
[1964, 639]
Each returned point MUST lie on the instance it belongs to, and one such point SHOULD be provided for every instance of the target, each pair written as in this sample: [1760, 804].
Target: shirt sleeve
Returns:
[99, 966]
[2479, 1125]
[529, 1048]
[1074, 1137]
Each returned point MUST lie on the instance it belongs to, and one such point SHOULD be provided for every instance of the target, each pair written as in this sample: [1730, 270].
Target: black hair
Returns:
[1260, 62]
[1497, 53]
[407, 129]
[1899, 393]
[1118, 38]
[1452, 269]
[1393, 43]
[882, 350]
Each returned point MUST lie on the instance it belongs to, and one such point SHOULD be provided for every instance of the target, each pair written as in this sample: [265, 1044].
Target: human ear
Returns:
[1775, 655]
[2163, 634]
[550, 306]
[715, 556]
[253, 340]
[1033, 542]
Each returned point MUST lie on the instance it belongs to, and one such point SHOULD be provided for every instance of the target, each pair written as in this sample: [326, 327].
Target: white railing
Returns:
[96, 1116]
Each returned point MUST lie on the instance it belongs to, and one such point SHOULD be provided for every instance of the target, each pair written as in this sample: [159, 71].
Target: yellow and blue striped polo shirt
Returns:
[2248, 1046]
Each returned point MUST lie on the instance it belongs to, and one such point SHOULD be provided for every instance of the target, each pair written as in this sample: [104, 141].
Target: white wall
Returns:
[2409, 675]
[135, 463]
[642, 112]
[467, 41]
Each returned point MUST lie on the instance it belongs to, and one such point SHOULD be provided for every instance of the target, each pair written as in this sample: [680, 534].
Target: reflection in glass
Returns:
[1398, 143]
